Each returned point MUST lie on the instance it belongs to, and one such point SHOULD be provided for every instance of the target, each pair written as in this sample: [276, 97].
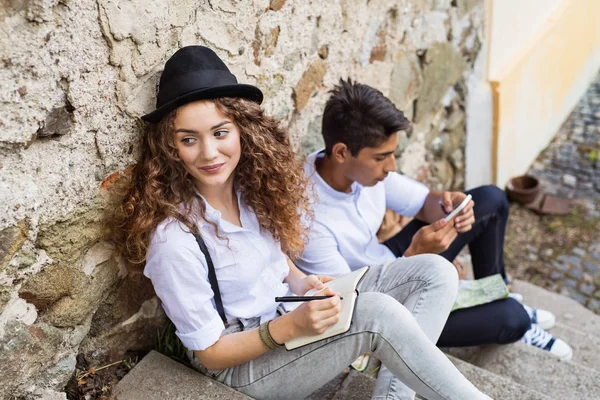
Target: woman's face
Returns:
[208, 144]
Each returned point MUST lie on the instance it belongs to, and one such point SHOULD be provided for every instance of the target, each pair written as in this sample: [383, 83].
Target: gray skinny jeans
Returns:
[399, 314]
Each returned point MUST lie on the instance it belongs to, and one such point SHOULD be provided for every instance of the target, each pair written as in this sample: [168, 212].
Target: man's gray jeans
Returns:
[399, 315]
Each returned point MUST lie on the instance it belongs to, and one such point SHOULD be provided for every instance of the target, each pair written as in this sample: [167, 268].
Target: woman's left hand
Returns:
[315, 282]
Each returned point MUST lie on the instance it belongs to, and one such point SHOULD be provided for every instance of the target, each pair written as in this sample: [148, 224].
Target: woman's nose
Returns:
[209, 149]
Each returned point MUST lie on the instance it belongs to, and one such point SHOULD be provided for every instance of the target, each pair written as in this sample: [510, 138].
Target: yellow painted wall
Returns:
[515, 27]
[535, 95]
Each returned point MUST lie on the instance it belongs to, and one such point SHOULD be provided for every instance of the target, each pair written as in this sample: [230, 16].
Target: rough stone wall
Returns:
[76, 76]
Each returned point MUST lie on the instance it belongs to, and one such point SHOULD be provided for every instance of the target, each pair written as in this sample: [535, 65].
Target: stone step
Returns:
[353, 385]
[495, 386]
[157, 377]
[534, 368]
[586, 346]
[568, 312]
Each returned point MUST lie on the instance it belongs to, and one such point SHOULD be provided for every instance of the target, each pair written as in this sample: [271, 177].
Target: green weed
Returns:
[168, 343]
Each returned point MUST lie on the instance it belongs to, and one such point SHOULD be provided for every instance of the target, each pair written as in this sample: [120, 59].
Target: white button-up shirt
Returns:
[249, 265]
[343, 236]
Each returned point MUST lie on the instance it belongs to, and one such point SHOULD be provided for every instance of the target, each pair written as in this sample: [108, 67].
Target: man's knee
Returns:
[492, 195]
[514, 322]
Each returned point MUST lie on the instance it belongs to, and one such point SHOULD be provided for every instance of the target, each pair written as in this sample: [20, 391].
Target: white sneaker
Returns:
[517, 296]
[538, 337]
[545, 319]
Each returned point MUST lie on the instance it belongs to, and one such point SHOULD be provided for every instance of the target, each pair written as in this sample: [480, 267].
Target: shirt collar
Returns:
[311, 172]
[214, 215]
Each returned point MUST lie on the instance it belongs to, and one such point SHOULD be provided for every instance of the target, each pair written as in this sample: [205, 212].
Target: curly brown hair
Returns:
[270, 178]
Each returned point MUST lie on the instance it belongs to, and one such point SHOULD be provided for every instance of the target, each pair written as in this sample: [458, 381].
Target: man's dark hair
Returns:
[359, 116]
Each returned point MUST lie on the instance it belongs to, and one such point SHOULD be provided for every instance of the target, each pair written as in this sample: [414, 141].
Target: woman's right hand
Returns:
[314, 317]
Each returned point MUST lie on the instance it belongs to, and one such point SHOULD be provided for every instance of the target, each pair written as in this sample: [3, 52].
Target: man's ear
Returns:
[340, 152]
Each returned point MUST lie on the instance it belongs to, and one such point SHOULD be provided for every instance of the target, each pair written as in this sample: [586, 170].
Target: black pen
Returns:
[289, 299]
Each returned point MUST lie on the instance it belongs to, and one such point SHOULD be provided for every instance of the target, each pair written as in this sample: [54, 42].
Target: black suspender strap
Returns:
[212, 278]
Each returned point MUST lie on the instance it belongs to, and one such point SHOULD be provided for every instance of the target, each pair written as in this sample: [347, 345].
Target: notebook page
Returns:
[339, 327]
[343, 284]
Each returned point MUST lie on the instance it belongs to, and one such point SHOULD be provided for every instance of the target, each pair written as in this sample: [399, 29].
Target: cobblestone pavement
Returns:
[570, 167]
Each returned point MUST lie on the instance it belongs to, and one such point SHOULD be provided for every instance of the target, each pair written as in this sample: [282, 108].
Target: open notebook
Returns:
[345, 285]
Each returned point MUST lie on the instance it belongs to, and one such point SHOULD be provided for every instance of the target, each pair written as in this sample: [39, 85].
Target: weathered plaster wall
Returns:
[75, 77]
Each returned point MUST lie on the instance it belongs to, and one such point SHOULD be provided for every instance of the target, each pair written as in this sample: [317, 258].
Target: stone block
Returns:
[67, 295]
[276, 5]
[465, 6]
[587, 288]
[442, 68]
[58, 122]
[573, 260]
[11, 240]
[313, 139]
[556, 275]
[406, 80]
[49, 286]
[443, 172]
[575, 272]
[67, 239]
[40, 10]
[26, 351]
[159, 377]
[591, 267]
[88, 292]
[310, 80]
[127, 320]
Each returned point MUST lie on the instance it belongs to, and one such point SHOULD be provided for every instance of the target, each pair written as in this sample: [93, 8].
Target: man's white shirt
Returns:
[343, 235]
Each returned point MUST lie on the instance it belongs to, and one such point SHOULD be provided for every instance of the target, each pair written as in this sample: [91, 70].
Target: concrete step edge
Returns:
[567, 311]
[157, 377]
[496, 386]
[534, 368]
[355, 385]
[586, 346]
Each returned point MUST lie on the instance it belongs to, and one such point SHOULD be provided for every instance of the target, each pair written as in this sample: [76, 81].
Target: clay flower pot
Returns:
[523, 189]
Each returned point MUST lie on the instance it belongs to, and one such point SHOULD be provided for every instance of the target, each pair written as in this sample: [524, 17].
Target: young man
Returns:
[355, 181]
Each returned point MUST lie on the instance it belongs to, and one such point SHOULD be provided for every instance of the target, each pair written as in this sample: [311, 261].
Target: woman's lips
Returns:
[212, 168]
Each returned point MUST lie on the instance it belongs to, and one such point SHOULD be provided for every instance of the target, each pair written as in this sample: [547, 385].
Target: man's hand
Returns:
[434, 238]
[464, 221]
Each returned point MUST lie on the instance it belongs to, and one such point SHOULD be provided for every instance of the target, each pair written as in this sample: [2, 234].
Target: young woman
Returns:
[218, 183]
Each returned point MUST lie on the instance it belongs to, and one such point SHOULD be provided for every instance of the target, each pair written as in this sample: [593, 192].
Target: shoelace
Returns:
[532, 313]
[538, 337]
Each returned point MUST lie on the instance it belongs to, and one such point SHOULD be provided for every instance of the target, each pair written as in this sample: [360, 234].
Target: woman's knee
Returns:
[375, 310]
[439, 271]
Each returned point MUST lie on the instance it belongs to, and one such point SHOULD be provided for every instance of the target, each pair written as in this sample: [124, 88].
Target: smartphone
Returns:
[459, 208]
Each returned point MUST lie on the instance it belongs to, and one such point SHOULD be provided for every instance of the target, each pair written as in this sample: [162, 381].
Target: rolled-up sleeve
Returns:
[178, 271]
[321, 255]
[404, 195]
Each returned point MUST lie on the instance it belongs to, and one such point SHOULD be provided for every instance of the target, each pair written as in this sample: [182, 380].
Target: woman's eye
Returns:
[188, 140]
[220, 133]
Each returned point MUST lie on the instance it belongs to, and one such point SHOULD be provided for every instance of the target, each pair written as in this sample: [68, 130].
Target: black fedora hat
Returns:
[196, 73]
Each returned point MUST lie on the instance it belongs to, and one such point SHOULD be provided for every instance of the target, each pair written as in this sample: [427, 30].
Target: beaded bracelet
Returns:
[266, 337]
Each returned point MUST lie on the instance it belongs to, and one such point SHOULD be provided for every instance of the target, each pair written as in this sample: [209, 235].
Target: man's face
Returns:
[372, 164]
